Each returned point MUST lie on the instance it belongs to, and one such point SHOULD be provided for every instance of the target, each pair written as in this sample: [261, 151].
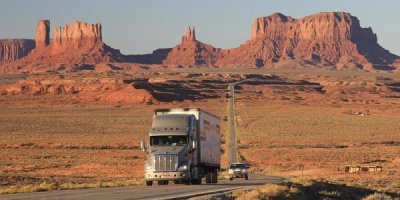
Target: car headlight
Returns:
[244, 170]
[183, 168]
[230, 171]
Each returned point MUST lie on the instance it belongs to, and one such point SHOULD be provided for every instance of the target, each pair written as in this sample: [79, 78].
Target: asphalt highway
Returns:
[171, 191]
[232, 155]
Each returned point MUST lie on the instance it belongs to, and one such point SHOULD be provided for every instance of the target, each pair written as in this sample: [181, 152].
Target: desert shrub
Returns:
[302, 180]
[265, 192]
[9, 190]
[268, 191]
[253, 194]
[378, 196]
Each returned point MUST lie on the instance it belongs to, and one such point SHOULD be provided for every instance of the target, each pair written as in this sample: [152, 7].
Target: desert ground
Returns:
[58, 133]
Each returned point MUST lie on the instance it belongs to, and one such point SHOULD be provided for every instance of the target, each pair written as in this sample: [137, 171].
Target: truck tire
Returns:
[208, 178]
[195, 180]
[149, 183]
[214, 176]
[246, 177]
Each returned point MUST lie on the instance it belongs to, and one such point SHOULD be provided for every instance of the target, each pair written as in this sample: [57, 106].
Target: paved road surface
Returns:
[170, 191]
[232, 155]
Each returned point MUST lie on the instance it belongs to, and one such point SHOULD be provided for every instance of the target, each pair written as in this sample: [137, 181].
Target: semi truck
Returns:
[183, 147]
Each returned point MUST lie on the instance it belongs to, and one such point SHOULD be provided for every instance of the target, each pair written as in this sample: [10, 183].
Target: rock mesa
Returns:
[77, 43]
[324, 39]
[11, 50]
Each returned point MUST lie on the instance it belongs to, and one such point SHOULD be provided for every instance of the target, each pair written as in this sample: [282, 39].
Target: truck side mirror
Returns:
[142, 146]
[194, 145]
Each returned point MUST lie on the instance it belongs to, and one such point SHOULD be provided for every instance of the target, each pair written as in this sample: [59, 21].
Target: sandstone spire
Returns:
[42, 37]
[190, 35]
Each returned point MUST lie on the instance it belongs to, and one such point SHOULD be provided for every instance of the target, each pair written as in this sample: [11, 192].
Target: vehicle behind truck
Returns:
[183, 147]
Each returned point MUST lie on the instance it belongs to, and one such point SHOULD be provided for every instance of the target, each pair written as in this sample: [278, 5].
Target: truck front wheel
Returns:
[149, 183]
[195, 176]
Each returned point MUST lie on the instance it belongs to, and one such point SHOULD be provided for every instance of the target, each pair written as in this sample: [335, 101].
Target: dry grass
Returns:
[50, 139]
[67, 186]
[270, 191]
[280, 139]
[74, 147]
[307, 188]
[378, 196]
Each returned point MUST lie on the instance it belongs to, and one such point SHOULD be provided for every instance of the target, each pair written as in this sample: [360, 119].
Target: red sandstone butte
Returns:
[333, 39]
[327, 39]
[191, 52]
[78, 43]
[11, 50]
[324, 39]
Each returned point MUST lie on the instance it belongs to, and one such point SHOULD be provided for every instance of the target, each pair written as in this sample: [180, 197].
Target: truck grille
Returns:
[166, 163]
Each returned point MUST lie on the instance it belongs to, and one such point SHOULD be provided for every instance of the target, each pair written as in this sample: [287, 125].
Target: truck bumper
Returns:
[166, 176]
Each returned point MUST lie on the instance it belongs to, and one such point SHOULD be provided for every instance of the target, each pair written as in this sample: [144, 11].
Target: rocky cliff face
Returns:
[11, 50]
[77, 43]
[77, 35]
[323, 39]
[191, 52]
[42, 36]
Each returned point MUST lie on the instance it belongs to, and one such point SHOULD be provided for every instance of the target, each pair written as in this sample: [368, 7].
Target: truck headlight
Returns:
[148, 168]
[230, 171]
[183, 168]
[244, 170]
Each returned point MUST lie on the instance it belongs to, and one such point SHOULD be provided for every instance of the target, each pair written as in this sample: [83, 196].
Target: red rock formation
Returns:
[322, 39]
[190, 35]
[76, 44]
[107, 90]
[77, 35]
[42, 37]
[191, 52]
[325, 39]
[11, 50]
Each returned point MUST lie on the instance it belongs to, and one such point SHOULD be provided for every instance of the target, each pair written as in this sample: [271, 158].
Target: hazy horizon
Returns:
[138, 27]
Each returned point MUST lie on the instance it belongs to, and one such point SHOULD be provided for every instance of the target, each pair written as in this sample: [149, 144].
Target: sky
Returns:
[141, 26]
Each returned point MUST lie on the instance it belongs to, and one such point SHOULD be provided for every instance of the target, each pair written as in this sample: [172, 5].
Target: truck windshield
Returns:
[170, 140]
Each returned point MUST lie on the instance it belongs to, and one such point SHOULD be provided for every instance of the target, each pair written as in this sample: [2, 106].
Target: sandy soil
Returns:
[86, 125]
